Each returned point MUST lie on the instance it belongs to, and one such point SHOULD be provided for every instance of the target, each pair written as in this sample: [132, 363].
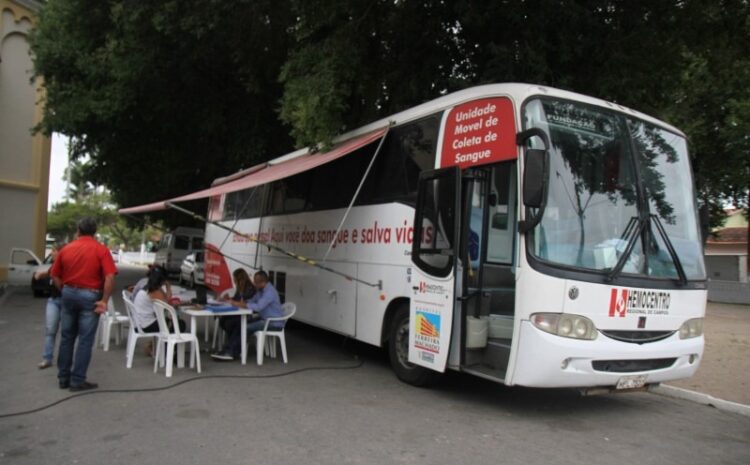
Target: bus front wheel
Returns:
[398, 350]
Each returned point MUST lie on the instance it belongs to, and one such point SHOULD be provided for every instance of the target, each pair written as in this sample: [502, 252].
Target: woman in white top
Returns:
[158, 288]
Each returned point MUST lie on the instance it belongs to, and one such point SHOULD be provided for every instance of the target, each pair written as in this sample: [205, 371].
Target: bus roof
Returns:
[518, 92]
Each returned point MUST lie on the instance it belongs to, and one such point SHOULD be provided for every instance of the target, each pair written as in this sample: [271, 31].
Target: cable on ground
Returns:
[174, 385]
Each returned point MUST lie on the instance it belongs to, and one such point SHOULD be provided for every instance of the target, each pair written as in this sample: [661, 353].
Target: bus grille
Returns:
[630, 366]
[638, 337]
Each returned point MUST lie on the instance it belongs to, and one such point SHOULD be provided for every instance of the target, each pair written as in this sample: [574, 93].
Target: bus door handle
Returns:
[468, 296]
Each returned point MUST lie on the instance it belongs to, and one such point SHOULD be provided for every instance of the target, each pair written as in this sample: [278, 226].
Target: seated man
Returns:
[266, 303]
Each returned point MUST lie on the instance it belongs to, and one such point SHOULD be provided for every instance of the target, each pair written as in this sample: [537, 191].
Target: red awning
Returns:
[268, 172]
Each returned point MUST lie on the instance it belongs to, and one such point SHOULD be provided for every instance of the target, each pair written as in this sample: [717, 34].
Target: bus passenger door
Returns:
[433, 278]
[488, 252]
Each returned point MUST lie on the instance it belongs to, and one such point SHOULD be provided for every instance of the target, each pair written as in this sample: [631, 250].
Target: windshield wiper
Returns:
[633, 229]
[670, 249]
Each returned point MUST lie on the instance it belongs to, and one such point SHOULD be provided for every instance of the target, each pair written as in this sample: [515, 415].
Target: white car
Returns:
[22, 265]
[191, 270]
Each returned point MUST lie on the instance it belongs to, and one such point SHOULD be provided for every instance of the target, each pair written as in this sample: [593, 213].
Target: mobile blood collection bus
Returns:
[519, 233]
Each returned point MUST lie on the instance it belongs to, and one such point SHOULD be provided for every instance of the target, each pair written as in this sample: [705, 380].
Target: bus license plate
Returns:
[631, 382]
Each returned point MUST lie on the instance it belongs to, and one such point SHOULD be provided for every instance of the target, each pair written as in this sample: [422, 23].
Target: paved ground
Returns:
[725, 369]
[344, 407]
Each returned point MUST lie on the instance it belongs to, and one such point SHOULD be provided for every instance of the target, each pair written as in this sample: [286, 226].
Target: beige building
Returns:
[24, 158]
[726, 251]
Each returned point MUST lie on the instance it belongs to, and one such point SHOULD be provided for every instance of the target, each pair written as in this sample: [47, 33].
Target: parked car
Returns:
[22, 265]
[191, 270]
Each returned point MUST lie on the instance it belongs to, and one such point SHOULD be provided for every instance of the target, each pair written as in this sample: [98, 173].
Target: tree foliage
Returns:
[712, 102]
[112, 228]
[165, 96]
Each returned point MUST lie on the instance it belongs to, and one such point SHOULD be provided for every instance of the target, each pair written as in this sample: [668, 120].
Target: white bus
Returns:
[519, 233]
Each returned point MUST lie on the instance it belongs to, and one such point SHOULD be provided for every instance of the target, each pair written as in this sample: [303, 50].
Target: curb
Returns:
[700, 398]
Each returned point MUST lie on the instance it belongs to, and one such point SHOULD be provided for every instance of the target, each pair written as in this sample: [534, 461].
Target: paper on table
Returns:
[220, 308]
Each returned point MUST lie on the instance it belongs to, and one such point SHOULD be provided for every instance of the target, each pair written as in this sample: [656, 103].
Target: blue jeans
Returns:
[78, 321]
[51, 325]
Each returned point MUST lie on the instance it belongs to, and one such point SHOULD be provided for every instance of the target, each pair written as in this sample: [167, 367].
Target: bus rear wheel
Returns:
[398, 351]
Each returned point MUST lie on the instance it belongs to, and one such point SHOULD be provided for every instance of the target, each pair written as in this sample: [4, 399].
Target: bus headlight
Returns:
[565, 325]
[691, 328]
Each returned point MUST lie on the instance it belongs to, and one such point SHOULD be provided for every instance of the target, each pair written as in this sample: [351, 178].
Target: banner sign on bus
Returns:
[216, 273]
[431, 314]
[480, 132]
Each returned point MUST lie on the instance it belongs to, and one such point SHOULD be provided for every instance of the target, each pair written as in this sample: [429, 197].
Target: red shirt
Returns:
[83, 263]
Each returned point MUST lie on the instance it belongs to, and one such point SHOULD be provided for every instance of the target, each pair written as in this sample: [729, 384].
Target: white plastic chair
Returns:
[135, 332]
[218, 332]
[263, 343]
[111, 318]
[170, 340]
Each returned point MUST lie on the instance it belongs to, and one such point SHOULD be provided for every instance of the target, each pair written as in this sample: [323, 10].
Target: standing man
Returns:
[85, 272]
[266, 303]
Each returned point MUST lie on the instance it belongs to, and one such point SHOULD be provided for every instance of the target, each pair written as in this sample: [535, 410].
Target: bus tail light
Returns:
[691, 328]
[565, 325]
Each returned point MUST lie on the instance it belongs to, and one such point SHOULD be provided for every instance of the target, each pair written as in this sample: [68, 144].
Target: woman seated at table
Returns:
[243, 289]
[157, 288]
[243, 292]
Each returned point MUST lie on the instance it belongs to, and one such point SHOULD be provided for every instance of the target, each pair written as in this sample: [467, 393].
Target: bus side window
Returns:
[243, 204]
[334, 184]
[407, 151]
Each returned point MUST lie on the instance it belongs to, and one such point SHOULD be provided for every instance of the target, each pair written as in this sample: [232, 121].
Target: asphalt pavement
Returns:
[337, 401]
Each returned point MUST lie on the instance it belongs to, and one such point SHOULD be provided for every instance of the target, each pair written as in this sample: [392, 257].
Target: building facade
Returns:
[24, 157]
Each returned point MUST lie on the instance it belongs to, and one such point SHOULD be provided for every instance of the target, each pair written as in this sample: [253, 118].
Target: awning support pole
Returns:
[356, 194]
[305, 260]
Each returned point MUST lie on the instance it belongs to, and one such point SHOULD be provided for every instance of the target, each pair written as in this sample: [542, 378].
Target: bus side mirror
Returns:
[533, 178]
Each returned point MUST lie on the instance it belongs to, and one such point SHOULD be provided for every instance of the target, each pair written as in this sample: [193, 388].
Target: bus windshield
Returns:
[615, 180]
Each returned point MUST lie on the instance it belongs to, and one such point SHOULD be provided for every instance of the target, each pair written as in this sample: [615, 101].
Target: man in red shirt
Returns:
[85, 272]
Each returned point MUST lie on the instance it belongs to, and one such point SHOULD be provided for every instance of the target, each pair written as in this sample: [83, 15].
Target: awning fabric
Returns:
[267, 172]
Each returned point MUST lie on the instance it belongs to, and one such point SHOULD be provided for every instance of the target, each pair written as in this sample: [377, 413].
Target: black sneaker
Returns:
[223, 356]
[84, 386]
[64, 384]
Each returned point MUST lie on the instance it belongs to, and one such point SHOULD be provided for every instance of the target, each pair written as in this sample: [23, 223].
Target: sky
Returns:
[58, 163]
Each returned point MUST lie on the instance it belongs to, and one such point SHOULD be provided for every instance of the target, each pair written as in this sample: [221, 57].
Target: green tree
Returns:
[712, 102]
[62, 220]
[112, 228]
[163, 96]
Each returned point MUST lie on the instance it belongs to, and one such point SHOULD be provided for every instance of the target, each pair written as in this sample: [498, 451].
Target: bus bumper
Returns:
[547, 360]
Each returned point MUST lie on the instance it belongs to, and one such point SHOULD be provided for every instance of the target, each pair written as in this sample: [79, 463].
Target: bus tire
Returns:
[398, 351]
